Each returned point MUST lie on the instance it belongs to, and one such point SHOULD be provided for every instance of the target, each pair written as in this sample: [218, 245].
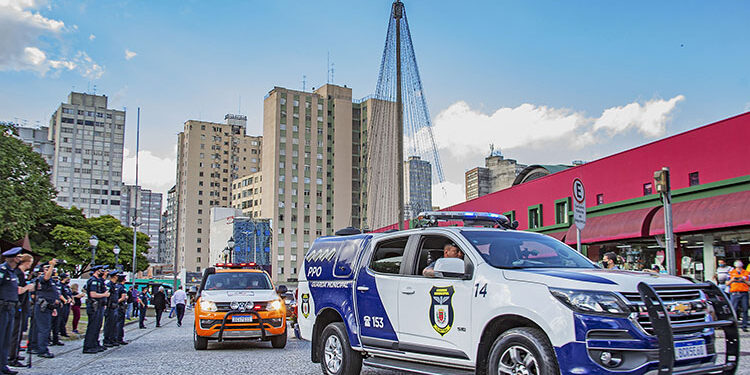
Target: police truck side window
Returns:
[388, 255]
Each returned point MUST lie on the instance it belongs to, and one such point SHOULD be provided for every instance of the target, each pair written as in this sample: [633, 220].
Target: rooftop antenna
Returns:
[304, 82]
[328, 67]
[94, 89]
[239, 106]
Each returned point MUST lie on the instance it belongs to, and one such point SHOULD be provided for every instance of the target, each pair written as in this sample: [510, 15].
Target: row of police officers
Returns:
[46, 298]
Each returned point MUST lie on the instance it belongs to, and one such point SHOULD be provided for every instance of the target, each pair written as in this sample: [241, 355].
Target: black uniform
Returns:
[112, 312]
[94, 310]
[19, 321]
[46, 297]
[63, 321]
[8, 303]
[56, 318]
[120, 326]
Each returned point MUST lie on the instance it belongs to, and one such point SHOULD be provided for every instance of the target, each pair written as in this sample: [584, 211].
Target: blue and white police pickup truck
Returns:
[489, 299]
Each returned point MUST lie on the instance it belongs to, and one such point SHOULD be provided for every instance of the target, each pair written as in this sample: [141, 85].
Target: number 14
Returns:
[478, 291]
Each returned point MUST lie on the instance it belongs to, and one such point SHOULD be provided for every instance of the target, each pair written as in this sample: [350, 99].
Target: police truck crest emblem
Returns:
[441, 309]
[305, 305]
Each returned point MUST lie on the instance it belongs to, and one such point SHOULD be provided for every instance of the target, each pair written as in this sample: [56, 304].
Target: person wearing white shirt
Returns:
[178, 300]
[722, 275]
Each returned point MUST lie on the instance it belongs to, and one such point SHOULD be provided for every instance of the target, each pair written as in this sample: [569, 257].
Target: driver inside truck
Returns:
[450, 250]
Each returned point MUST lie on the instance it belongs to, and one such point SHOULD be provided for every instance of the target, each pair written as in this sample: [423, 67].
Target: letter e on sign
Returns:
[579, 204]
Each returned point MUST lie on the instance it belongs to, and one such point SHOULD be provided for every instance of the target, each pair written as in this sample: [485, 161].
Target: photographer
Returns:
[739, 284]
[47, 297]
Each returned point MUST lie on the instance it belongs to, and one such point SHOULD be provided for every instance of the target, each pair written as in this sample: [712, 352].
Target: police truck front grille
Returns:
[684, 298]
[222, 306]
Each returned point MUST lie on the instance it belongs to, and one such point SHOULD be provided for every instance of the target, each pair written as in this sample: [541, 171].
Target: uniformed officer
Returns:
[67, 293]
[46, 297]
[22, 312]
[112, 312]
[95, 293]
[122, 297]
[58, 310]
[8, 304]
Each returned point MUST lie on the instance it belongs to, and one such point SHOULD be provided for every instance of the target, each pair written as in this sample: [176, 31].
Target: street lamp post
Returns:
[116, 250]
[230, 246]
[93, 241]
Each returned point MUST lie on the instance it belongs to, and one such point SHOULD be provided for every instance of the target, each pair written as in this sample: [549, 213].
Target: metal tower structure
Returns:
[400, 120]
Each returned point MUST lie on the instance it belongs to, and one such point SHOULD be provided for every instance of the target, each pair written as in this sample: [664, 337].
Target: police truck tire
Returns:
[520, 349]
[279, 342]
[199, 343]
[335, 352]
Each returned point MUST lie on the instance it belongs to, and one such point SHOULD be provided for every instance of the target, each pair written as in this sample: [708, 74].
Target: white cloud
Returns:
[20, 48]
[463, 134]
[649, 118]
[92, 37]
[154, 172]
[129, 54]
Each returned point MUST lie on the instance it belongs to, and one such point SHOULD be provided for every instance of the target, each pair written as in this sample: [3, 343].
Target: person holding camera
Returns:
[739, 284]
[46, 297]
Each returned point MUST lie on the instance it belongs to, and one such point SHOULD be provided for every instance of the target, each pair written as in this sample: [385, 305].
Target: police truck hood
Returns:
[256, 295]
[591, 279]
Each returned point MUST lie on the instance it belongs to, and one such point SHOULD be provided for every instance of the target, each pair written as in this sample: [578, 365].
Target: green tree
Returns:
[26, 192]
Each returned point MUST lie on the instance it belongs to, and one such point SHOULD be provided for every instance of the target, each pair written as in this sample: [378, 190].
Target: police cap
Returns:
[13, 252]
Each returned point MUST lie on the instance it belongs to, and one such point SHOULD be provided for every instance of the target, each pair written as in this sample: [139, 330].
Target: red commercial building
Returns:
[710, 179]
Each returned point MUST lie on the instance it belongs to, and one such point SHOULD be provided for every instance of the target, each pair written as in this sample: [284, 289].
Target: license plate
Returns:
[242, 319]
[690, 349]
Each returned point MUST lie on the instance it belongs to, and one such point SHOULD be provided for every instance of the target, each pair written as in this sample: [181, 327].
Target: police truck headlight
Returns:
[274, 305]
[209, 306]
[591, 302]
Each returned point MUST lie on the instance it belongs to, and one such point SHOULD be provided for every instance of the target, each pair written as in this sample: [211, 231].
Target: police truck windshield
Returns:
[503, 249]
[237, 281]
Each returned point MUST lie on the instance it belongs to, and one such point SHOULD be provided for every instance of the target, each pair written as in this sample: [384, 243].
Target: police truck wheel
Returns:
[279, 341]
[199, 343]
[522, 351]
[336, 355]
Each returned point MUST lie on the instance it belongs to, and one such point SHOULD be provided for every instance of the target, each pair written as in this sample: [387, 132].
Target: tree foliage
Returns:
[26, 192]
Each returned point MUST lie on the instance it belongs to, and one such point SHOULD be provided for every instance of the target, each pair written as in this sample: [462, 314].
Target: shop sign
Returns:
[579, 204]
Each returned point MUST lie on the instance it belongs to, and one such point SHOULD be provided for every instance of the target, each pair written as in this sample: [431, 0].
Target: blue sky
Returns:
[538, 76]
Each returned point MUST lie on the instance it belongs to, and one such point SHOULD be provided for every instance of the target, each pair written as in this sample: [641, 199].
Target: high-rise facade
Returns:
[144, 207]
[311, 176]
[210, 156]
[497, 174]
[38, 139]
[417, 186]
[246, 194]
[170, 231]
[88, 147]
[477, 182]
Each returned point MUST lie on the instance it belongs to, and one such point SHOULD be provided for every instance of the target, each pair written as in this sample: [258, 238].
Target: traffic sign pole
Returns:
[579, 209]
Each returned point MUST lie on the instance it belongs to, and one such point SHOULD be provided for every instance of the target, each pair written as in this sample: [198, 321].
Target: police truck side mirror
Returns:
[450, 267]
[281, 289]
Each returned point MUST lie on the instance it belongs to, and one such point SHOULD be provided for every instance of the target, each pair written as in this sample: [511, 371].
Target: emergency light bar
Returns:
[431, 218]
[237, 265]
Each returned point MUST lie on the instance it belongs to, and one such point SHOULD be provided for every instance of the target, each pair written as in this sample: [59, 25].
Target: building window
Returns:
[647, 188]
[562, 210]
[535, 216]
[511, 215]
[599, 199]
[693, 179]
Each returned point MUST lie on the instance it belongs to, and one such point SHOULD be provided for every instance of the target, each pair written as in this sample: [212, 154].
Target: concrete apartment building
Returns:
[88, 147]
[310, 173]
[166, 253]
[417, 186]
[210, 156]
[144, 207]
[246, 194]
[497, 174]
[38, 139]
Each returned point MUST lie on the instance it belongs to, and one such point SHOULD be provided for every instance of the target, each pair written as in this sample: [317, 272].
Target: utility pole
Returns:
[137, 192]
[398, 8]
[663, 186]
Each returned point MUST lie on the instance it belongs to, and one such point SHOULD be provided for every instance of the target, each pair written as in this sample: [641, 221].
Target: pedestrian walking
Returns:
[96, 294]
[122, 294]
[22, 312]
[179, 299]
[8, 303]
[76, 306]
[142, 307]
[160, 304]
[739, 285]
[172, 306]
[46, 297]
[134, 294]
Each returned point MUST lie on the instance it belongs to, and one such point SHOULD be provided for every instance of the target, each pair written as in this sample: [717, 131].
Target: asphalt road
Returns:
[169, 350]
